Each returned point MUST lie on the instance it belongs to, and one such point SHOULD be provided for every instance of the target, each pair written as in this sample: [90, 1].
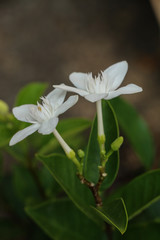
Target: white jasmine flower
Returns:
[44, 117]
[104, 86]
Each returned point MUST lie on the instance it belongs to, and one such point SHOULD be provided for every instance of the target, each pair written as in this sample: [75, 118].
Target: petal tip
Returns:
[124, 63]
[12, 142]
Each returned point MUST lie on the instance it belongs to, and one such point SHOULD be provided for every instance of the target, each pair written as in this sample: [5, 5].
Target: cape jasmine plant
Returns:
[96, 167]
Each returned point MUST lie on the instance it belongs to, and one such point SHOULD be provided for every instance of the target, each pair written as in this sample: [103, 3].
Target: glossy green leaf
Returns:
[111, 130]
[64, 172]
[60, 219]
[51, 188]
[115, 214]
[153, 212]
[92, 160]
[140, 232]
[149, 215]
[135, 130]
[141, 192]
[30, 93]
[68, 128]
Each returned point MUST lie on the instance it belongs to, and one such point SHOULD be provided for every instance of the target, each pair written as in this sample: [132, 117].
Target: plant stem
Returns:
[109, 231]
[100, 118]
[61, 141]
[101, 135]
[94, 189]
[68, 151]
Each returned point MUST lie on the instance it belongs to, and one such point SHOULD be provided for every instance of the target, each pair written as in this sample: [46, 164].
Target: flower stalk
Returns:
[101, 135]
[68, 151]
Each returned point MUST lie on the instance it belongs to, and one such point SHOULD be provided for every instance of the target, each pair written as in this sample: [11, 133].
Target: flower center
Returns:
[96, 85]
[39, 108]
[43, 111]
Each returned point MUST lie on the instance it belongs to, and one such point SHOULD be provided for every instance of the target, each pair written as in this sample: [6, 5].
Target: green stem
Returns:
[106, 157]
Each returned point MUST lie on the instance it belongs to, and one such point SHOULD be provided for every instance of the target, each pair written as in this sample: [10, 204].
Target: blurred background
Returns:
[47, 40]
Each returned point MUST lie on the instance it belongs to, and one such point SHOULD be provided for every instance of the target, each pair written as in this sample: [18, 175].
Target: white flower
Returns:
[44, 117]
[104, 86]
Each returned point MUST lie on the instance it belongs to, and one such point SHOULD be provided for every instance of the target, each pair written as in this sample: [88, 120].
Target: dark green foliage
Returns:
[43, 182]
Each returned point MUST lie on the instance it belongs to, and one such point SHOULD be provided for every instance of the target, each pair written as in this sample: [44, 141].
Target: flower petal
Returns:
[94, 97]
[47, 127]
[115, 74]
[79, 79]
[129, 89]
[66, 105]
[56, 97]
[23, 112]
[71, 89]
[19, 136]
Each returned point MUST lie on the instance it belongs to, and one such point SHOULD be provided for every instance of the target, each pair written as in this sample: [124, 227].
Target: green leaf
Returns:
[64, 172]
[135, 130]
[140, 193]
[19, 151]
[60, 219]
[111, 130]
[9, 197]
[5, 134]
[92, 160]
[140, 232]
[153, 212]
[24, 185]
[68, 128]
[30, 93]
[149, 215]
[114, 213]
[50, 186]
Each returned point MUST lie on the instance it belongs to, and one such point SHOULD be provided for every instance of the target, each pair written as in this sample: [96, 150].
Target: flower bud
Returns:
[4, 109]
[81, 153]
[117, 144]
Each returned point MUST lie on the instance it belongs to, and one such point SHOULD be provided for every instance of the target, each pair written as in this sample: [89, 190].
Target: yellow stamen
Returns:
[39, 108]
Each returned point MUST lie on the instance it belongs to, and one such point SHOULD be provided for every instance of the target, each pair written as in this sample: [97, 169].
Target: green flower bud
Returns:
[4, 108]
[81, 153]
[117, 144]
